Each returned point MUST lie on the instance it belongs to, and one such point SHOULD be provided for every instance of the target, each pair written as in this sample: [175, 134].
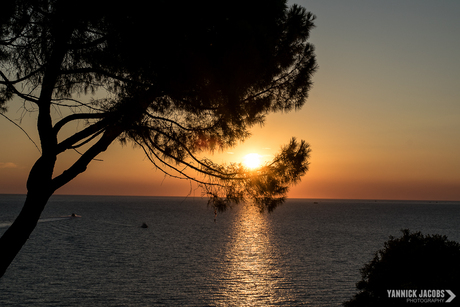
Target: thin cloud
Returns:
[8, 165]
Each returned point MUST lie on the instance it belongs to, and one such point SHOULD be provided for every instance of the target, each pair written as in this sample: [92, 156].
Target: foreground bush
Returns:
[427, 265]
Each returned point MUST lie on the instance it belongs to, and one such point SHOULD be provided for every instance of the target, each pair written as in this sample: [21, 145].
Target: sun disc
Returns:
[252, 160]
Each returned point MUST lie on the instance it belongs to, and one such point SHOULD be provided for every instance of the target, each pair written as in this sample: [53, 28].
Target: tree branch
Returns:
[22, 131]
[179, 125]
[89, 139]
[89, 70]
[90, 44]
[185, 148]
[83, 134]
[11, 86]
[81, 164]
[8, 82]
[187, 177]
[79, 104]
[76, 116]
[212, 172]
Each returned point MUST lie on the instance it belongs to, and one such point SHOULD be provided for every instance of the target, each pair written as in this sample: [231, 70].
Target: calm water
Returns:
[303, 254]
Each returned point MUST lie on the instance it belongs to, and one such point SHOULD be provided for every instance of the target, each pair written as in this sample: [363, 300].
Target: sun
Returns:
[252, 160]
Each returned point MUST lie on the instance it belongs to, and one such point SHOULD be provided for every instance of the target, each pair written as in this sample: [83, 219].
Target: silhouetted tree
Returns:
[411, 262]
[180, 77]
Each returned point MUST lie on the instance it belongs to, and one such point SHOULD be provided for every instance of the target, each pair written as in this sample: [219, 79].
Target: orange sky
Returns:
[383, 117]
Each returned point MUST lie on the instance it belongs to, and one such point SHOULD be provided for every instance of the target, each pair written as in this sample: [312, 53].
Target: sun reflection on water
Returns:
[251, 273]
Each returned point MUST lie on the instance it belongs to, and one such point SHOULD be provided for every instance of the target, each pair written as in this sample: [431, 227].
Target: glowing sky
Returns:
[383, 117]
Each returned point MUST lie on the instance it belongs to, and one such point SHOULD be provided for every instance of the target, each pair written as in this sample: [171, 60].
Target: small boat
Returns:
[73, 215]
[144, 225]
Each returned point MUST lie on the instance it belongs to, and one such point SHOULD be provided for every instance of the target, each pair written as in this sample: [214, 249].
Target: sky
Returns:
[382, 118]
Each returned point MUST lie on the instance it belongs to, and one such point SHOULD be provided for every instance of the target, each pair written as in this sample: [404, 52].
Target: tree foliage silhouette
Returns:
[411, 262]
[180, 77]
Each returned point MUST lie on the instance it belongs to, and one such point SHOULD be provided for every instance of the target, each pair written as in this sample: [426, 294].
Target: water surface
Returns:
[306, 253]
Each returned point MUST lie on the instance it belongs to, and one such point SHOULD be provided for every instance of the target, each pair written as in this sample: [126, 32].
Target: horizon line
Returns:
[287, 198]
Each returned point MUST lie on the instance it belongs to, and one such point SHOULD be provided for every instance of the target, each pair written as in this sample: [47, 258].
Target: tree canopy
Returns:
[180, 77]
[413, 262]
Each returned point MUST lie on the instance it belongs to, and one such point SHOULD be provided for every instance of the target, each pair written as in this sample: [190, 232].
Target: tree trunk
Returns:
[38, 192]
[18, 233]
[40, 187]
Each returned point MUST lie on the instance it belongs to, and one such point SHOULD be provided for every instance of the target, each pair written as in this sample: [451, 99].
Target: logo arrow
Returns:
[452, 296]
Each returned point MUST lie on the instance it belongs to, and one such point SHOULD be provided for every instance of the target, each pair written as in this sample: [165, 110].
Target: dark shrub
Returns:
[411, 262]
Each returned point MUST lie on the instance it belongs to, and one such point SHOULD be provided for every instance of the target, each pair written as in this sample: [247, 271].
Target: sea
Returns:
[305, 253]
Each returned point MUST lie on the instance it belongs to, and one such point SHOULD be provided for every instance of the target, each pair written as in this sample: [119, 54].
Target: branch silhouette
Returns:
[177, 80]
